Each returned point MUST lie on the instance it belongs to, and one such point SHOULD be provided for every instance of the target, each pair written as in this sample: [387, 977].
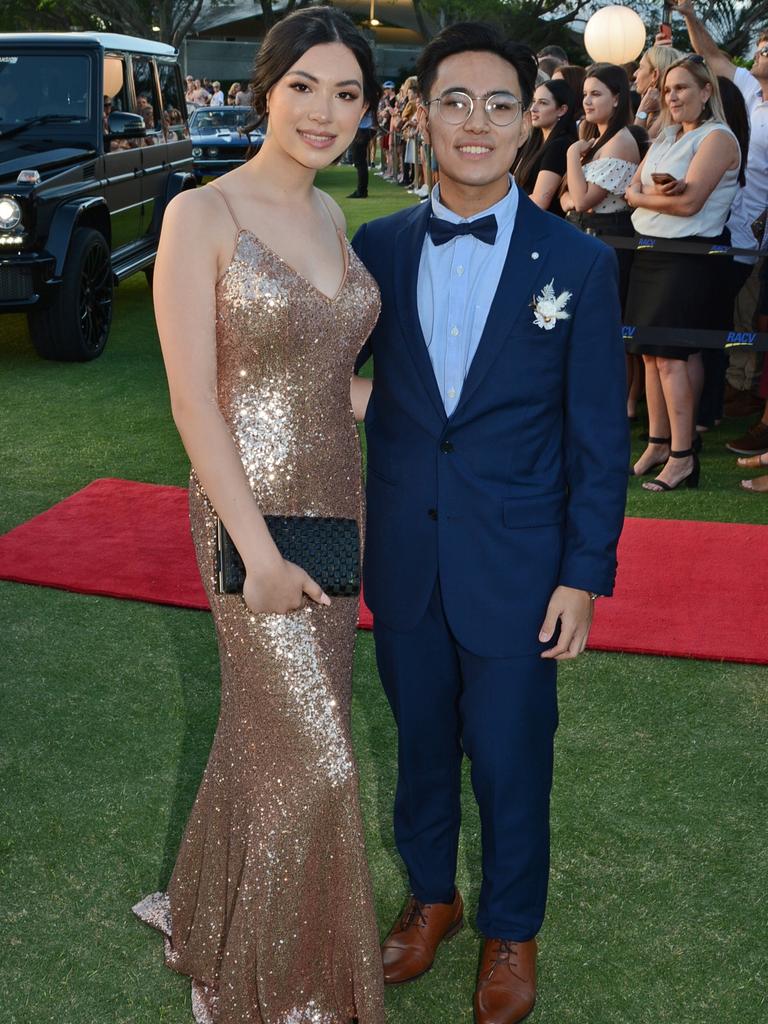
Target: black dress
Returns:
[553, 157]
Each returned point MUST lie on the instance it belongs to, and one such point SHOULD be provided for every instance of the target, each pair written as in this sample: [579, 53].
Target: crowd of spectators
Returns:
[673, 147]
[202, 92]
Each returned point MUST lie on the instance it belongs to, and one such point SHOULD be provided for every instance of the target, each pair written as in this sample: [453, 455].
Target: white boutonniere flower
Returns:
[548, 308]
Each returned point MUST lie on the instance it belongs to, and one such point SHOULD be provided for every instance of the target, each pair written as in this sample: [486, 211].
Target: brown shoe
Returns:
[506, 984]
[741, 403]
[738, 402]
[754, 442]
[409, 949]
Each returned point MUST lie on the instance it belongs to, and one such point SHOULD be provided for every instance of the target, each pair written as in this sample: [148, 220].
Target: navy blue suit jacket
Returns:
[523, 487]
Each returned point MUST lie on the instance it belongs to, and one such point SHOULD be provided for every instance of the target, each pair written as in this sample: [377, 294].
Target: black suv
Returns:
[93, 145]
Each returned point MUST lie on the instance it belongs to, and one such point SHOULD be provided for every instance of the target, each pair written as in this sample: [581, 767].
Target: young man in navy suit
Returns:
[497, 473]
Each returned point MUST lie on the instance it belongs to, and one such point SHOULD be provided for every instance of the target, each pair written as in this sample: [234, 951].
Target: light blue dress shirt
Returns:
[456, 286]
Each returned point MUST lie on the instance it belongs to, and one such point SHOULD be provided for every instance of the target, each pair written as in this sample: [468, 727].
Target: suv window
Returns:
[44, 85]
[115, 85]
[116, 98]
[172, 100]
[147, 102]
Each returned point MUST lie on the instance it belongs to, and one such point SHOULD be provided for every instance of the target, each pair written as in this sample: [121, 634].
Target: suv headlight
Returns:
[212, 152]
[10, 213]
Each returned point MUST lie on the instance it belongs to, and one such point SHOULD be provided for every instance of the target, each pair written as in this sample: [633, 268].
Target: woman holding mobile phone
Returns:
[682, 190]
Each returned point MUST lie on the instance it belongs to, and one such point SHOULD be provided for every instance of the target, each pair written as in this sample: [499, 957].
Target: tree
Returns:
[733, 23]
[174, 18]
[270, 15]
[538, 22]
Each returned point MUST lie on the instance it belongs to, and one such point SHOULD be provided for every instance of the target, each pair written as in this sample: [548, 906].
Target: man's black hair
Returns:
[474, 37]
[554, 51]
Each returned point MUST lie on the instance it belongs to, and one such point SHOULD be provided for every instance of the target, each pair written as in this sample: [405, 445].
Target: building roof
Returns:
[217, 18]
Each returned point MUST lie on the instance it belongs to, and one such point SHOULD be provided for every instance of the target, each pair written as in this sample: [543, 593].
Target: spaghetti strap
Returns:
[215, 187]
[338, 230]
[341, 237]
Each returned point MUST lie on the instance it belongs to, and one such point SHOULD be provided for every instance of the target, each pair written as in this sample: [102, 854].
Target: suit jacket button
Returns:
[446, 447]
[432, 513]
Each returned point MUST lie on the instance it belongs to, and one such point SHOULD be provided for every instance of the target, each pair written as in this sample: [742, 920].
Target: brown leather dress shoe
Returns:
[754, 442]
[506, 984]
[409, 949]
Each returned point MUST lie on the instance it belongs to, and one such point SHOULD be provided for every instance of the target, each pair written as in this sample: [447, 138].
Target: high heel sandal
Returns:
[692, 480]
[655, 466]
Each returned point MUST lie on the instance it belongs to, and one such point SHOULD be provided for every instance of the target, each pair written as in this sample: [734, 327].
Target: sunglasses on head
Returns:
[694, 58]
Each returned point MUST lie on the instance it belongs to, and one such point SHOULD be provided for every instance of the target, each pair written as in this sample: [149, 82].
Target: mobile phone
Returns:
[662, 178]
[665, 28]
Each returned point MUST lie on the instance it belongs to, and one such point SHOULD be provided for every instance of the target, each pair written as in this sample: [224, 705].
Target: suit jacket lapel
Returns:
[408, 246]
[527, 251]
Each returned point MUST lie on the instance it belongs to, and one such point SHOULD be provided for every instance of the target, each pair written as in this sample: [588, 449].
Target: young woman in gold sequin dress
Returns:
[269, 907]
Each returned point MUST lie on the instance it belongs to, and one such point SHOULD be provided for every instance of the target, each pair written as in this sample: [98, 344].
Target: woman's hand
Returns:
[280, 589]
[566, 203]
[633, 193]
[672, 188]
[580, 147]
[651, 102]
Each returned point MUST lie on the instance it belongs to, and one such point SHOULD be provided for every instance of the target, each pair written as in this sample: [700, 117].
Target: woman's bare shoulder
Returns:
[198, 215]
[623, 147]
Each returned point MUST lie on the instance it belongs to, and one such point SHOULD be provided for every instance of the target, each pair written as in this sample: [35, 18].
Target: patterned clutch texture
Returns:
[326, 548]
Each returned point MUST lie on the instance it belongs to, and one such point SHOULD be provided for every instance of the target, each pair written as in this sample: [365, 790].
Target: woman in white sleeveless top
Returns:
[701, 156]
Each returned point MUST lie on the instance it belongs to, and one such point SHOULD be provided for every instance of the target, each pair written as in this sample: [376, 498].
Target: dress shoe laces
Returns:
[413, 915]
[506, 952]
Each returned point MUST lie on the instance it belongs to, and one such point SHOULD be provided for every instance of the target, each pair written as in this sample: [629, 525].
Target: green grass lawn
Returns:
[657, 910]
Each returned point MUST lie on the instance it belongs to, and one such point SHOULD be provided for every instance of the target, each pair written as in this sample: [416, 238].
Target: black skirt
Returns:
[676, 290]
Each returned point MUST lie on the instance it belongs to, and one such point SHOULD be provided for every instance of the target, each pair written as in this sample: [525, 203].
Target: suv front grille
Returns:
[15, 284]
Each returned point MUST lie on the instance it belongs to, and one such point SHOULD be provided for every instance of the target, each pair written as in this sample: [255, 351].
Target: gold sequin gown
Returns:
[269, 908]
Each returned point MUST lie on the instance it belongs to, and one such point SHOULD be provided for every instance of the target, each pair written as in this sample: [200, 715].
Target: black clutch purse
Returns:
[326, 548]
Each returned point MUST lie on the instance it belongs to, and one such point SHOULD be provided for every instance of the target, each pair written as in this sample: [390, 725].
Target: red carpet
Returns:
[686, 589]
[115, 538]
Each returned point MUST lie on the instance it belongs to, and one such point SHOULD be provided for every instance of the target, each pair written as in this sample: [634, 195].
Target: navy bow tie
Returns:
[442, 231]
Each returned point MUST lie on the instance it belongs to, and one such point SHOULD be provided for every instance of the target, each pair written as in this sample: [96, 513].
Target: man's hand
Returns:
[685, 7]
[574, 609]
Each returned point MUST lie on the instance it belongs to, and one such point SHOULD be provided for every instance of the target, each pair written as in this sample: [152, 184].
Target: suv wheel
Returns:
[75, 327]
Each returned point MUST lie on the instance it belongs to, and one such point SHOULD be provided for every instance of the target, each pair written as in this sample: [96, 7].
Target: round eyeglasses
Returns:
[501, 108]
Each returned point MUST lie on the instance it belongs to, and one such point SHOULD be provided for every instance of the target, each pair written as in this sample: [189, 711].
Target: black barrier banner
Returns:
[679, 245]
[685, 338]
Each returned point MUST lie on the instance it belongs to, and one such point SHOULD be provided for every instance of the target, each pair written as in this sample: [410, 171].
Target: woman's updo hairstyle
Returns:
[288, 40]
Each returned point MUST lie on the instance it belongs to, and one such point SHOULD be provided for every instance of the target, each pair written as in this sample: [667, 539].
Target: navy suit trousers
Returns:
[501, 713]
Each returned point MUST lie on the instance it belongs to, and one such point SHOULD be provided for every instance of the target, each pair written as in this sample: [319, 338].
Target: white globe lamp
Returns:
[614, 35]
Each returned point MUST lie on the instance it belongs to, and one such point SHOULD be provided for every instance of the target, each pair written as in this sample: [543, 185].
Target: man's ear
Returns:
[527, 128]
[422, 122]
